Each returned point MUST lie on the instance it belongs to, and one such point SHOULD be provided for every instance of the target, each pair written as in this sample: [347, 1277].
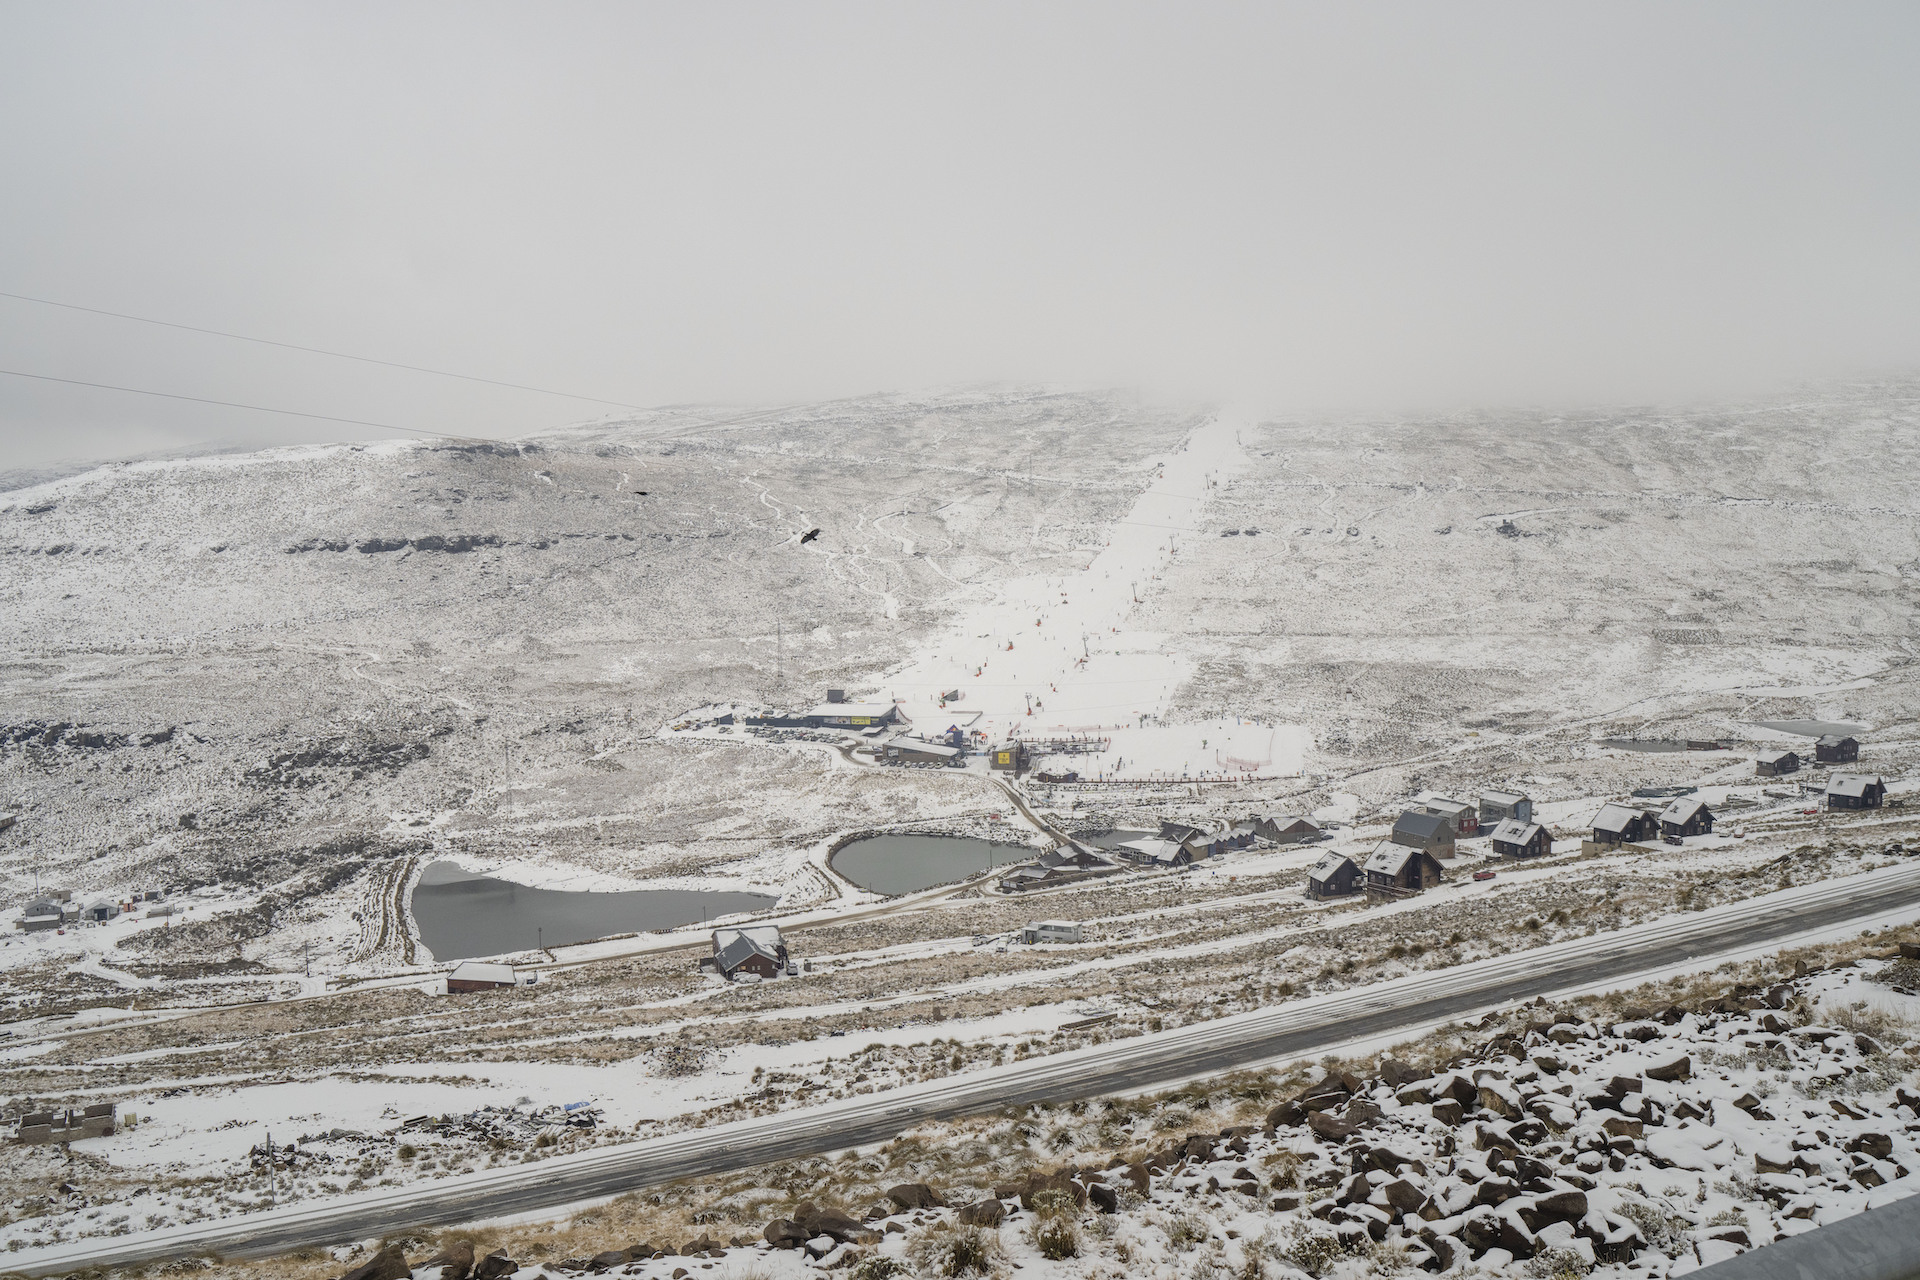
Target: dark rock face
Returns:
[783, 1233]
[982, 1213]
[1681, 1068]
[1102, 1197]
[455, 1261]
[494, 1266]
[915, 1195]
[816, 1221]
[388, 1264]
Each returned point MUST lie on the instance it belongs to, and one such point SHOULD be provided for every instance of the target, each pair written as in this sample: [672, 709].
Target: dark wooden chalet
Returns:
[1516, 839]
[755, 949]
[1334, 876]
[1836, 749]
[1399, 871]
[1774, 764]
[1285, 828]
[1686, 817]
[1497, 806]
[1855, 791]
[1430, 832]
[1623, 824]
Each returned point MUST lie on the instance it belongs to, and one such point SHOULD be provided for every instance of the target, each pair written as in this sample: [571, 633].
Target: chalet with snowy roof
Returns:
[474, 975]
[1623, 824]
[1516, 839]
[1154, 852]
[756, 949]
[1775, 764]
[1334, 876]
[1428, 832]
[1399, 871]
[1463, 817]
[1836, 749]
[1284, 828]
[1686, 816]
[1497, 806]
[1855, 791]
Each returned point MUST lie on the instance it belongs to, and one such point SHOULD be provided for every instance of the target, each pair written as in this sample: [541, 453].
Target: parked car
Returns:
[1485, 875]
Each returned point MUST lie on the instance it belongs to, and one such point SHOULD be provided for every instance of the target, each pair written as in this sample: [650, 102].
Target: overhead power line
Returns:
[257, 408]
[319, 351]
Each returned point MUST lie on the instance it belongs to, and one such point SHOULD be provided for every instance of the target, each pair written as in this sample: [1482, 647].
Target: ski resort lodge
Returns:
[1334, 876]
[1836, 749]
[1622, 824]
[1497, 806]
[1399, 871]
[1855, 791]
[1516, 839]
[1686, 817]
[754, 949]
[1430, 833]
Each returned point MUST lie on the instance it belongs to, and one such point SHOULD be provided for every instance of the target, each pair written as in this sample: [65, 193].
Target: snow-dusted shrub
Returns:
[1054, 1204]
[1557, 1264]
[876, 1267]
[1184, 1230]
[1173, 1118]
[1055, 1237]
[1286, 1170]
[946, 1250]
[1660, 1230]
[1313, 1248]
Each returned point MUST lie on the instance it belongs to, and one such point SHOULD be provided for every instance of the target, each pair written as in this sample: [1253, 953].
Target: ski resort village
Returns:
[952, 835]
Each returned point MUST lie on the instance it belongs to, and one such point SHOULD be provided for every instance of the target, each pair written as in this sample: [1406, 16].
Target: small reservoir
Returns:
[907, 864]
[1813, 728]
[461, 915]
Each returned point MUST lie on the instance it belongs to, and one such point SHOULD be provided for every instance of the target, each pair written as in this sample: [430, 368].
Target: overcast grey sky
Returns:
[1303, 206]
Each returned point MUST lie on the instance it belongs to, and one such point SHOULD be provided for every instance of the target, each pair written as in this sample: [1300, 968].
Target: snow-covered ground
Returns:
[276, 687]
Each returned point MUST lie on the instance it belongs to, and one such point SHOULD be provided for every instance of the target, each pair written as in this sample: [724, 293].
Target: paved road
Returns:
[1296, 1029]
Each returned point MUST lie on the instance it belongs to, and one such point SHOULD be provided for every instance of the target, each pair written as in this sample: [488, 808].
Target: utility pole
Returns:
[306, 960]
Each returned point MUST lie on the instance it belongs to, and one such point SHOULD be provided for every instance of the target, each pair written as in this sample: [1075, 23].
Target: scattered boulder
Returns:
[1102, 1197]
[1561, 1206]
[609, 1260]
[1395, 1073]
[1329, 1128]
[701, 1247]
[1681, 1068]
[1060, 1180]
[1878, 1146]
[1403, 1197]
[816, 1221]
[1621, 1127]
[821, 1246]
[1449, 1112]
[783, 1233]
[495, 1266]
[982, 1213]
[915, 1195]
[388, 1264]
[455, 1261]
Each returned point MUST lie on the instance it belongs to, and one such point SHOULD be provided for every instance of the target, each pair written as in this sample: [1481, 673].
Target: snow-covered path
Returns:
[1053, 656]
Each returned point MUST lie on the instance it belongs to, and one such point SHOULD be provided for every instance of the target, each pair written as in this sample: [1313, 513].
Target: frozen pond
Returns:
[1643, 744]
[1813, 728]
[905, 864]
[461, 915]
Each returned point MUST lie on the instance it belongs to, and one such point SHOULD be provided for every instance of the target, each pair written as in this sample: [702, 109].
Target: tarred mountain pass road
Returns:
[1296, 1029]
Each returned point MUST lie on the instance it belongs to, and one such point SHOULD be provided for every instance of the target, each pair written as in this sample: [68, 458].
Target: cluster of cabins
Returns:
[1180, 844]
[1425, 834]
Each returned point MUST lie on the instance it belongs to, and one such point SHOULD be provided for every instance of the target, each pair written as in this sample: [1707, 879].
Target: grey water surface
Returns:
[461, 915]
[906, 864]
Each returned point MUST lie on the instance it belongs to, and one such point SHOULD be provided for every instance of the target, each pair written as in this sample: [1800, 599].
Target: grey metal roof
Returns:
[1775, 757]
[1513, 831]
[1507, 798]
[1425, 826]
[1835, 739]
[1388, 858]
[1850, 784]
[1682, 810]
[1614, 817]
[1328, 864]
